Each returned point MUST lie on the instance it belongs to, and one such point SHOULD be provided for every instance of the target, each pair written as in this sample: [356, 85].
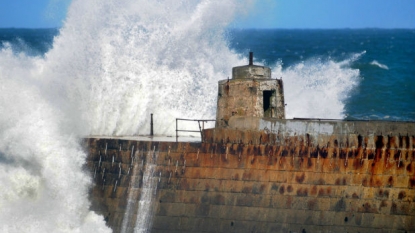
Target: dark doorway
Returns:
[269, 102]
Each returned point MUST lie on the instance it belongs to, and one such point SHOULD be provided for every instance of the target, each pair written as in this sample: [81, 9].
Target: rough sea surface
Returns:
[383, 62]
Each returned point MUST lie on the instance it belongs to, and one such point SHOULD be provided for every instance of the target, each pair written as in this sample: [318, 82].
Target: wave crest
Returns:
[380, 65]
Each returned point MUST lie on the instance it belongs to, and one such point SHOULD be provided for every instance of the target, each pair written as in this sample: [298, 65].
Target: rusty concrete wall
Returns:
[260, 184]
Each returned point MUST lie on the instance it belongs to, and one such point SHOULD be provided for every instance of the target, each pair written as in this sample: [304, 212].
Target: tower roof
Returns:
[251, 71]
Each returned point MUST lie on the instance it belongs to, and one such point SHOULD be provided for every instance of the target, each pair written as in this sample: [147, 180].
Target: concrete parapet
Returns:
[298, 183]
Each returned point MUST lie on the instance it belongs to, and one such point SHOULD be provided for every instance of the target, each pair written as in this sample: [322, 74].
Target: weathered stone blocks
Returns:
[238, 187]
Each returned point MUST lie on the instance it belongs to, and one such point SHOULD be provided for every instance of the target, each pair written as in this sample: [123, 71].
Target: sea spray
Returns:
[318, 88]
[43, 187]
[125, 60]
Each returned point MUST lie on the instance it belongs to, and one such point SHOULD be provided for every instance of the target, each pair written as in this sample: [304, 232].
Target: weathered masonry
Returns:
[250, 92]
[260, 173]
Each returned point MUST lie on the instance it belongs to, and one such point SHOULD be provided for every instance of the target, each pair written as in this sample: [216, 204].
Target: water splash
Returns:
[318, 88]
[134, 58]
[127, 221]
[146, 206]
[43, 186]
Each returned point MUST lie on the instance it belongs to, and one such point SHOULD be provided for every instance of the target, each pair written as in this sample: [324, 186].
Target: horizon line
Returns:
[261, 28]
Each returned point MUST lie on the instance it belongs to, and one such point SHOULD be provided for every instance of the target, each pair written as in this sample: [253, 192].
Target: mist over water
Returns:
[110, 66]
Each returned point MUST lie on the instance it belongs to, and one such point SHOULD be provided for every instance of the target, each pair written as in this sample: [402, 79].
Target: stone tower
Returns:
[251, 93]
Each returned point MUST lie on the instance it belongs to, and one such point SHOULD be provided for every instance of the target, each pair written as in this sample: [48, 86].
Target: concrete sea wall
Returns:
[246, 181]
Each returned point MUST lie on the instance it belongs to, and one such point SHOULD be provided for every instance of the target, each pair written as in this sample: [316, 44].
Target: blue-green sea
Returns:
[385, 60]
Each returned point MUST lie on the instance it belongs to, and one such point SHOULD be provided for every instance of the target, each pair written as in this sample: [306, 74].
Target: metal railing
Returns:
[201, 126]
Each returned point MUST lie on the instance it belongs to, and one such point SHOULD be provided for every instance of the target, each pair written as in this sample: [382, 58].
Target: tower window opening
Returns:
[269, 103]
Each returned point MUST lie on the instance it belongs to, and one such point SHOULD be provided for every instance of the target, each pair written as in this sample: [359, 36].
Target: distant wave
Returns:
[380, 65]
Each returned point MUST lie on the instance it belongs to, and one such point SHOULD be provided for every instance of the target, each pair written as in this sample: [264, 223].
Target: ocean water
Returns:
[114, 63]
[369, 71]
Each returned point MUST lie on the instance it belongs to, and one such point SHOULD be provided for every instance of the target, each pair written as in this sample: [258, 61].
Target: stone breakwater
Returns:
[246, 181]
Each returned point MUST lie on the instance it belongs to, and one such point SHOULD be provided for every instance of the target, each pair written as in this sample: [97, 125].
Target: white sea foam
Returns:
[318, 88]
[380, 65]
[140, 57]
[113, 64]
[43, 188]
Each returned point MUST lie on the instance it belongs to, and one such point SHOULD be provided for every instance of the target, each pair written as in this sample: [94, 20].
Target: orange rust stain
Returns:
[303, 152]
[374, 182]
[364, 182]
[321, 181]
[246, 175]
[314, 152]
[340, 181]
[309, 163]
[382, 193]
[401, 195]
[334, 155]
[288, 202]
[302, 192]
[247, 190]
[289, 188]
[409, 168]
[300, 179]
[343, 153]
[282, 189]
[390, 181]
[370, 154]
[313, 190]
[311, 204]
[394, 208]
[397, 155]
[412, 182]
[384, 203]
[323, 152]
[357, 164]
[262, 188]
[328, 190]
[337, 182]
[367, 208]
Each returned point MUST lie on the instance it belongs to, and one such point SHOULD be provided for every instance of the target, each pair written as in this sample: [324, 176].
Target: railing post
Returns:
[151, 125]
[201, 127]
